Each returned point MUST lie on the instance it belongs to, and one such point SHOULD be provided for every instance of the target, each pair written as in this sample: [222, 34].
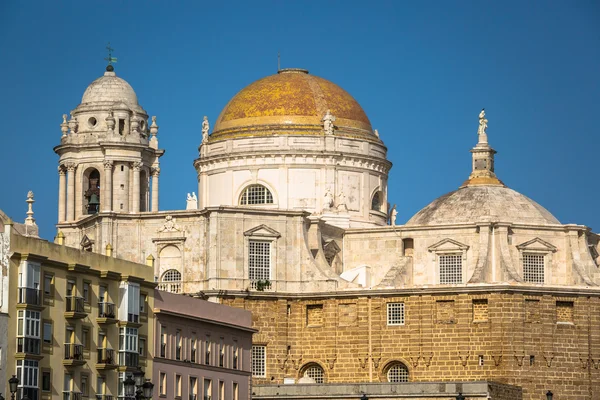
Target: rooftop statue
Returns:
[482, 123]
[328, 121]
[205, 129]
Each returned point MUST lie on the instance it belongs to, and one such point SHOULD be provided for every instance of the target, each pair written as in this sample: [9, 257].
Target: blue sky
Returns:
[421, 70]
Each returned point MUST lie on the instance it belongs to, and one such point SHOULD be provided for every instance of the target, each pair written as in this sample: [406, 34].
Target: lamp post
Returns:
[13, 383]
[460, 396]
[129, 386]
[147, 388]
[549, 395]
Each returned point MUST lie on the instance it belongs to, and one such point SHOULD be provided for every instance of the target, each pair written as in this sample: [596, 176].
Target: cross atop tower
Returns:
[110, 58]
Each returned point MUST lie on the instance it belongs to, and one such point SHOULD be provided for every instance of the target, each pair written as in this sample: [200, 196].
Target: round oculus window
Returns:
[92, 122]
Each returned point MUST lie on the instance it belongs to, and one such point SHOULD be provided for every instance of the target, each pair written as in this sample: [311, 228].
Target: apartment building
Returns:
[78, 322]
[203, 349]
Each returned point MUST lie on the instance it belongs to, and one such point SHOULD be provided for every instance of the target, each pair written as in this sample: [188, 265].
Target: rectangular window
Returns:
[48, 332]
[85, 390]
[142, 347]
[259, 260]
[236, 391]
[143, 302]
[46, 381]
[395, 313]
[533, 268]
[450, 269]
[28, 331]
[221, 390]
[86, 292]
[178, 344]
[128, 347]
[193, 346]
[481, 361]
[100, 386]
[207, 389]
[193, 389]
[49, 285]
[221, 354]
[27, 373]
[162, 386]
[236, 352]
[178, 386]
[163, 341]
[85, 338]
[259, 358]
[207, 346]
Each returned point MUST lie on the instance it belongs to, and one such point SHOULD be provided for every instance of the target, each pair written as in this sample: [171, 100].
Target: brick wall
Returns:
[442, 339]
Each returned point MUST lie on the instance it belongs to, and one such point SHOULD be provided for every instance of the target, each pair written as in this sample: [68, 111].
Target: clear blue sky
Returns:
[421, 70]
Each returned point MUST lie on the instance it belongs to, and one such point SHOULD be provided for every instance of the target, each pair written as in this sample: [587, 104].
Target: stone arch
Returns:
[246, 197]
[169, 257]
[313, 370]
[377, 200]
[395, 371]
[91, 181]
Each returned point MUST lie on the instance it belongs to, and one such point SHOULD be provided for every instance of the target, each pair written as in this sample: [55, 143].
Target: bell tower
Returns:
[109, 155]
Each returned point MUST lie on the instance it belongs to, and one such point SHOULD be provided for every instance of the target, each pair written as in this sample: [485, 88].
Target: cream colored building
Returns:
[291, 221]
[78, 321]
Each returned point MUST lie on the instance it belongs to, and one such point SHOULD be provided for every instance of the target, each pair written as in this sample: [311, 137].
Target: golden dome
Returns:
[291, 102]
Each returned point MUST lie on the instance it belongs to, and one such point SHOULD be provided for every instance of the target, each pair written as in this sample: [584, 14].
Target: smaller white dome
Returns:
[472, 204]
[110, 88]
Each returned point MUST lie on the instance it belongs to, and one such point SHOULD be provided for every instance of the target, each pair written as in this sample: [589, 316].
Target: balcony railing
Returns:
[106, 310]
[106, 356]
[29, 296]
[129, 359]
[73, 351]
[28, 345]
[173, 287]
[104, 397]
[75, 304]
[72, 395]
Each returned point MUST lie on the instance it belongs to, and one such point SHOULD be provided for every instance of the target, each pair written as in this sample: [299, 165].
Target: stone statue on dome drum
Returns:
[205, 129]
[327, 200]
[482, 123]
[328, 121]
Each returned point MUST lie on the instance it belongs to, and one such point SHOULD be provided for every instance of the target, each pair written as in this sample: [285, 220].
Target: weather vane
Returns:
[110, 58]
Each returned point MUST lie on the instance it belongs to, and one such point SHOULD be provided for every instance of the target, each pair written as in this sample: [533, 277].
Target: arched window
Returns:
[314, 372]
[256, 194]
[397, 373]
[170, 281]
[91, 183]
[376, 202]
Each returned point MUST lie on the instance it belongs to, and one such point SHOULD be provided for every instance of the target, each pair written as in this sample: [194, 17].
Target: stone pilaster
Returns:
[62, 188]
[106, 199]
[155, 174]
[137, 166]
[71, 191]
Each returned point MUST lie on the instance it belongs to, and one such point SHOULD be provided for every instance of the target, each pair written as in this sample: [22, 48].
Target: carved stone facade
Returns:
[292, 224]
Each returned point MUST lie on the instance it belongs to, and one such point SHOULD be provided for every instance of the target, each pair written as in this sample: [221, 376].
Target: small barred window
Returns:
[397, 373]
[533, 268]
[450, 269]
[259, 260]
[315, 372]
[395, 313]
[259, 361]
[256, 194]
[171, 275]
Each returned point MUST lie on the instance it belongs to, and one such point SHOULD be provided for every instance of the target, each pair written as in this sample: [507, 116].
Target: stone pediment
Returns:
[448, 245]
[262, 231]
[537, 244]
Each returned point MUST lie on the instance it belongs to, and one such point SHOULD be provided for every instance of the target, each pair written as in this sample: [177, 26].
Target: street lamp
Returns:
[12, 384]
[460, 396]
[1, 397]
[129, 385]
[549, 395]
[147, 387]
[139, 378]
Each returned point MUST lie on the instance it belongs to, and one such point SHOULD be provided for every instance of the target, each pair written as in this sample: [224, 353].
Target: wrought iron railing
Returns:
[73, 351]
[72, 395]
[106, 310]
[104, 397]
[106, 356]
[75, 304]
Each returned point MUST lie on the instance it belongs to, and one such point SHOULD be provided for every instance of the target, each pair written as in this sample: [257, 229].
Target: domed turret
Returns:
[295, 141]
[109, 88]
[483, 197]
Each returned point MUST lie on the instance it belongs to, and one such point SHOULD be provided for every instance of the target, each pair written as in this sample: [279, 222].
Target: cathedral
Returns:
[291, 221]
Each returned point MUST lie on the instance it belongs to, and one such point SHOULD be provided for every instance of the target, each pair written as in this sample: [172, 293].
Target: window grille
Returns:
[259, 260]
[315, 372]
[397, 373]
[450, 269]
[259, 356]
[533, 268]
[395, 313]
[171, 281]
[171, 275]
[256, 194]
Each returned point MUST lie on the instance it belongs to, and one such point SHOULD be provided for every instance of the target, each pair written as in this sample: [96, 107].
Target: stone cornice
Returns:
[160, 311]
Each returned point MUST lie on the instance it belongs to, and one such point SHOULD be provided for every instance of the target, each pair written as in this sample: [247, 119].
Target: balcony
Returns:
[29, 296]
[75, 307]
[73, 354]
[28, 345]
[106, 359]
[106, 313]
[129, 359]
[72, 395]
[173, 287]
[104, 397]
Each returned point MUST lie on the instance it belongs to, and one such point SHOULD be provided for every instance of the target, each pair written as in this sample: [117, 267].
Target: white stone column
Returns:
[106, 198]
[155, 174]
[62, 188]
[137, 166]
[70, 191]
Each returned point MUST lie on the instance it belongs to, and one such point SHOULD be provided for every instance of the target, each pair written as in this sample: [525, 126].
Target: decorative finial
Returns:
[481, 131]
[30, 220]
[64, 127]
[153, 127]
[73, 123]
[205, 129]
[110, 58]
